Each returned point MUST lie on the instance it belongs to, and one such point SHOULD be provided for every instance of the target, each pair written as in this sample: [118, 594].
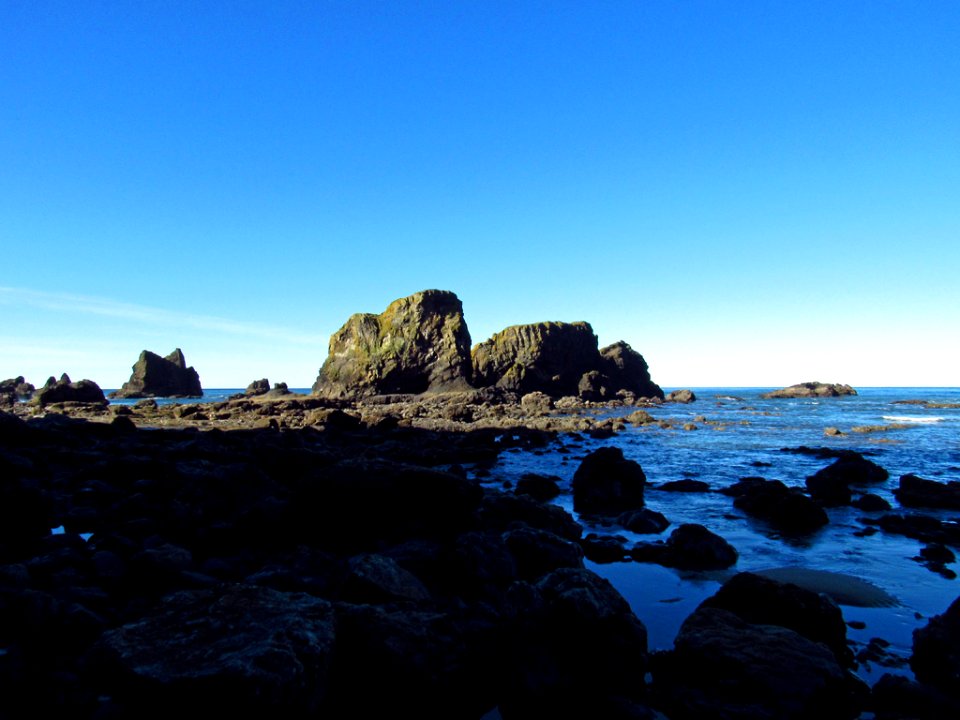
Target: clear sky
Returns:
[749, 193]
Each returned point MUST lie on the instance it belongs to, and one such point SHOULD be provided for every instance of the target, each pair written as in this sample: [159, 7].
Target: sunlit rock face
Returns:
[419, 344]
[155, 376]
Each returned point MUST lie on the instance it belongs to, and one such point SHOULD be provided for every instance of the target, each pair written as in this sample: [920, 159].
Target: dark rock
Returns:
[686, 485]
[896, 697]
[831, 485]
[628, 371]
[537, 552]
[936, 651]
[235, 649]
[155, 376]
[547, 357]
[419, 344]
[643, 521]
[919, 527]
[762, 601]
[594, 386]
[786, 509]
[500, 511]
[811, 389]
[681, 396]
[608, 483]
[916, 492]
[377, 579]
[725, 667]
[62, 390]
[938, 552]
[540, 487]
[603, 548]
[16, 389]
[869, 502]
[689, 547]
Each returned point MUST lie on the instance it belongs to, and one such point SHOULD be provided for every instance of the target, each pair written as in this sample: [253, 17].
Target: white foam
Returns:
[922, 419]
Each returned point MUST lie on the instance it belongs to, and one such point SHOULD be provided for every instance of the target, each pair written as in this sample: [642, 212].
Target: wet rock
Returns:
[607, 483]
[155, 376]
[419, 344]
[896, 697]
[643, 521]
[920, 527]
[831, 485]
[594, 386]
[681, 396]
[540, 487]
[547, 357]
[500, 511]
[786, 509]
[689, 547]
[233, 649]
[639, 417]
[64, 391]
[763, 601]
[869, 502]
[376, 579]
[685, 486]
[603, 548]
[811, 389]
[917, 492]
[936, 651]
[725, 667]
[537, 552]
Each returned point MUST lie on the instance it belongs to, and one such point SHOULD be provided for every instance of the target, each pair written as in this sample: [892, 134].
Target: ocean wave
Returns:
[923, 419]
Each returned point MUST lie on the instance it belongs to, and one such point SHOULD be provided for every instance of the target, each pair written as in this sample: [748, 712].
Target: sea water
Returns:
[743, 435]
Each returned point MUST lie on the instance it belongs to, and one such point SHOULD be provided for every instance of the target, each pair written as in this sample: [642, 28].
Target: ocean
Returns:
[741, 434]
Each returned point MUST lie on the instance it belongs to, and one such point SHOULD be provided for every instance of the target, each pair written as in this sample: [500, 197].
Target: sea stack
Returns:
[419, 344]
[811, 389]
[155, 376]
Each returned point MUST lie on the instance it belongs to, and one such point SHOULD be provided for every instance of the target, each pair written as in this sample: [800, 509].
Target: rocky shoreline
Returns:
[290, 553]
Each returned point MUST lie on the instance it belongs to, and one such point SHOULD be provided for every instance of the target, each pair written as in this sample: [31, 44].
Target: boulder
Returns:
[689, 547]
[831, 485]
[682, 396]
[763, 601]
[643, 521]
[540, 487]
[687, 485]
[725, 667]
[419, 344]
[594, 386]
[936, 651]
[786, 509]
[538, 552]
[608, 483]
[549, 357]
[811, 389]
[62, 390]
[896, 697]
[234, 649]
[16, 389]
[628, 371]
[155, 376]
[258, 387]
[917, 492]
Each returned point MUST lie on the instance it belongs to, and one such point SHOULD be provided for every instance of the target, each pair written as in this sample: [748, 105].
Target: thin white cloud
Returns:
[142, 314]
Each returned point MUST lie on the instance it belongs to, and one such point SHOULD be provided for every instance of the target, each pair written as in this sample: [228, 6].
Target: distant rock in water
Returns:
[682, 396]
[63, 390]
[811, 389]
[155, 376]
[418, 344]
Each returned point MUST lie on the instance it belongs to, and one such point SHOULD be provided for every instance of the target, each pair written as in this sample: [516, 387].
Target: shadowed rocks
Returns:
[155, 376]
[607, 483]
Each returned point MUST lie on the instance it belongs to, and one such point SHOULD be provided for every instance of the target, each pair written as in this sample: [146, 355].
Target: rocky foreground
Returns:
[305, 557]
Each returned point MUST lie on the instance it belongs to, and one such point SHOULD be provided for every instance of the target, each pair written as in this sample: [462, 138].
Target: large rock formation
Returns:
[549, 357]
[154, 376]
[627, 370]
[418, 344]
[811, 389]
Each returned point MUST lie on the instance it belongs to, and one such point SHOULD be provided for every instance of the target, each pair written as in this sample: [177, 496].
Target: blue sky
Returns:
[750, 193]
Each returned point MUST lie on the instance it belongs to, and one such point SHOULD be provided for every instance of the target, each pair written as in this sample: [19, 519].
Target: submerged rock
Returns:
[811, 389]
[155, 376]
[419, 344]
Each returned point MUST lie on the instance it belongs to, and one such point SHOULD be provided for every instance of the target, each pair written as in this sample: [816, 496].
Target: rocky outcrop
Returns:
[62, 390]
[418, 344]
[811, 389]
[831, 485]
[15, 389]
[918, 492]
[786, 509]
[155, 376]
[726, 667]
[628, 371]
[936, 651]
[608, 483]
[549, 357]
[689, 547]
